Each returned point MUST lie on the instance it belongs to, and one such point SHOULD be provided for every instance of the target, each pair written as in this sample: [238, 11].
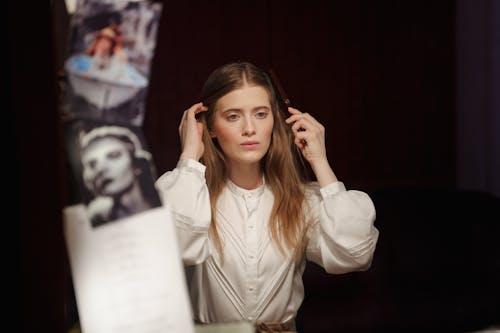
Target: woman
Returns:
[116, 171]
[246, 219]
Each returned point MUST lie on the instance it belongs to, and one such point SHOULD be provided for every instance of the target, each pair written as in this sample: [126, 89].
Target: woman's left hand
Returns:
[309, 135]
[310, 139]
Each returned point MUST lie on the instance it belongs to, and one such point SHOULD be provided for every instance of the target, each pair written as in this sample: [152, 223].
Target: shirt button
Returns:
[251, 256]
[250, 288]
[251, 226]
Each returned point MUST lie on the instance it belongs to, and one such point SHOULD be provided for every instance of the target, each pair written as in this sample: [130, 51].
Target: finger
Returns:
[197, 111]
[299, 115]
[191, 113]
[294, 113]
[300, 142]
[291, 119]
[186, 113]
[199, 107]
[181, 124]
[311, 119]
[196, 108]
[303, 116]
[302, 139]
[302, 124]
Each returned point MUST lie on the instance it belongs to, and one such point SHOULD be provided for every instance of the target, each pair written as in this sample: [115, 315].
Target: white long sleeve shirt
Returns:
[256, 281]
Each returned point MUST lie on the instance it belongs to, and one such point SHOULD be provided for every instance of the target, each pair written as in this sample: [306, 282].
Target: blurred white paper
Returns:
[127, 275]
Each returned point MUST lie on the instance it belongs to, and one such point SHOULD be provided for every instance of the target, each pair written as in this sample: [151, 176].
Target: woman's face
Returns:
[103, 45]
[243, 125]
[107, 166]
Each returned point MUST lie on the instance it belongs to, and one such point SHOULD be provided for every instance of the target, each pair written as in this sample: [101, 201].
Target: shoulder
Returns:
[185, 166]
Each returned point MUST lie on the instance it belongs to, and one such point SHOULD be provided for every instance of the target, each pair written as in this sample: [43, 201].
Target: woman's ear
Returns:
[212, 135]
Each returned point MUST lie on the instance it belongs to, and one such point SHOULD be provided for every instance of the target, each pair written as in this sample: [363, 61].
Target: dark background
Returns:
[406, 90]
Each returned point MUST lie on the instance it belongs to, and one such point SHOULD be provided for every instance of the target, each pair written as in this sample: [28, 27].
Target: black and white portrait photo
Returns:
[113, 169]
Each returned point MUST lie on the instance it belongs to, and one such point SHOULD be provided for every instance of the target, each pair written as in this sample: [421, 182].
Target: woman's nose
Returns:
[248, 127]
[100, 168]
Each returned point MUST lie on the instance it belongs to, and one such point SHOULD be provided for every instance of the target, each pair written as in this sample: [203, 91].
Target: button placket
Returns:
[251, 203]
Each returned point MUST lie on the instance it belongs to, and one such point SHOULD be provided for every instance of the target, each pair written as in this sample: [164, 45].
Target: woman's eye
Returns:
[92, 164]
[232, 117]
[261, 114]
[113, 155]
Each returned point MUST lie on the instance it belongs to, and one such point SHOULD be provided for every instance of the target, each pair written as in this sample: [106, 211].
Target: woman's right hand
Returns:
[99, 209]
[191, 132]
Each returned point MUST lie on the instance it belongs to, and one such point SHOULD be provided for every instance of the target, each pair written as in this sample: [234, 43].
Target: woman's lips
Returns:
[102, 183]
[249, 145]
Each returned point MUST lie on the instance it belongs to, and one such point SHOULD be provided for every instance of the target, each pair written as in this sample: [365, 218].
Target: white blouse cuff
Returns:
[332, 189]
[193, 165]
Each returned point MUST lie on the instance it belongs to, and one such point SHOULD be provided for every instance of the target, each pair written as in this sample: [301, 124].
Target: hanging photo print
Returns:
[112, 169]
[110, 51]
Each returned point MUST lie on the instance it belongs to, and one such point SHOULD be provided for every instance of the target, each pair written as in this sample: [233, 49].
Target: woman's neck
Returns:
[246, 176]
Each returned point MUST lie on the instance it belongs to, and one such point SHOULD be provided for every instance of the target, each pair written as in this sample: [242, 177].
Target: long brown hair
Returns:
[280, 165]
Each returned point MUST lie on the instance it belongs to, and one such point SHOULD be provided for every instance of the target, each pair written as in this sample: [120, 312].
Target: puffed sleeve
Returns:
[184, 191]
[341, 233]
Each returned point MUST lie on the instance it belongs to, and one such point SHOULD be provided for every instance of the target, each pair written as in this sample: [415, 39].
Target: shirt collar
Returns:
[242, 192]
